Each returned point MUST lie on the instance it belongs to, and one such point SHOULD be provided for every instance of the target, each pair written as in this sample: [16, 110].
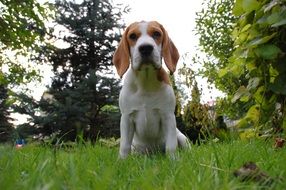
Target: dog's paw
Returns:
[173, 156]
[122, 156]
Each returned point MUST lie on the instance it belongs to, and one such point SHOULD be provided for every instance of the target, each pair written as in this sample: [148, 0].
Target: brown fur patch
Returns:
[163, 76]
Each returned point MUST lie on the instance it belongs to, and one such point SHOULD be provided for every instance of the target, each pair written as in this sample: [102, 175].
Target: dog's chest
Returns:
[160, 101]
[147, 123]
[146, 110]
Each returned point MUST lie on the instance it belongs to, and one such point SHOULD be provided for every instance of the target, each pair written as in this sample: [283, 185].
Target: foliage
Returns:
[66, 120]
[21, 30]
[83, 166]
[6, 129]
[220, 130]
[214, 27]
[83, 86]
[179, 104]
[259, 56]
[93, 26]
[21, 23]
[196, 117]
[245, 59]
[193, 118]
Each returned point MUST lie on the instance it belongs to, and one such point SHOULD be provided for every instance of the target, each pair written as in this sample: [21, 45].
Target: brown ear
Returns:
[169, 52]
[121, 55]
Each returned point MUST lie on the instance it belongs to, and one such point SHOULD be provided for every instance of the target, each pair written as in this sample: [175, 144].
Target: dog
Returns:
[147, 100]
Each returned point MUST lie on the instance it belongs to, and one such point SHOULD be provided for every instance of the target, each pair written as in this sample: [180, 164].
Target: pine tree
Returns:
[91, 25]
[83, 89]
[6, 128]
[81, 85]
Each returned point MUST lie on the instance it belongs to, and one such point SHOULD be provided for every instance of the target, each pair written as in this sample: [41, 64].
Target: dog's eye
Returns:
[133, 36]
[156, 35]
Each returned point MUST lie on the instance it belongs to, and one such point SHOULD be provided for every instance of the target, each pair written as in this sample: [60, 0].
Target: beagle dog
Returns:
[147, 101]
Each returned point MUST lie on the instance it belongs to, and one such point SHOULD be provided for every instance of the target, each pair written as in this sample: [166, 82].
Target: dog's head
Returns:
[145, 43]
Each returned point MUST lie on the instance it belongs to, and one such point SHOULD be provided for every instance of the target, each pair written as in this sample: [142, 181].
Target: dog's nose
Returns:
[146, 50]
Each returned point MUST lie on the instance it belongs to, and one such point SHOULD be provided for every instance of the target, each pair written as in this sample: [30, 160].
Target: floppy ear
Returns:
[121, 55]
[169, 52]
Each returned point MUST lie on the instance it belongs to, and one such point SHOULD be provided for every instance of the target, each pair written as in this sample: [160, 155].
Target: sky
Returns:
[177, 17]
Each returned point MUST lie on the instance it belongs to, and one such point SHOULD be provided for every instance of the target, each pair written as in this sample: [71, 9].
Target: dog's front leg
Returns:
[169, 124]
[126, 135]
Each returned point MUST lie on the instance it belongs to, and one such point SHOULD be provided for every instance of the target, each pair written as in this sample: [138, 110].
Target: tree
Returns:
[259, 55]
[83, 89]
[214, 26]
[6, 128]
[251, 71]
[21, 29]
[196, 117]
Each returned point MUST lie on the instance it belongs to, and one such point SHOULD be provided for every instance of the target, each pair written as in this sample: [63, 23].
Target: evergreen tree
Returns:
[196, 116]
[83, 94]
[6, 129]
[92, 25]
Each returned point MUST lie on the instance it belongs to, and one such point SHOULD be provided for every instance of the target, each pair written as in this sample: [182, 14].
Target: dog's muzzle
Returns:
[146, 50]
[147, 55]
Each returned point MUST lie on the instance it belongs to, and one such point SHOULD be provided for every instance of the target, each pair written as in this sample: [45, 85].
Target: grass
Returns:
[209, 166]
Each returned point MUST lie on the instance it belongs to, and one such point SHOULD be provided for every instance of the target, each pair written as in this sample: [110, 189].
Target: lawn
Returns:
[208, 166]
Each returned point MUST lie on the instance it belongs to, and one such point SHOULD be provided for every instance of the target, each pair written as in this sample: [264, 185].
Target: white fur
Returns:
[145, 39]
[147, 105]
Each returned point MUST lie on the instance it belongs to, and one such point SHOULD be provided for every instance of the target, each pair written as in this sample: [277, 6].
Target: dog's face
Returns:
[145, 43]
